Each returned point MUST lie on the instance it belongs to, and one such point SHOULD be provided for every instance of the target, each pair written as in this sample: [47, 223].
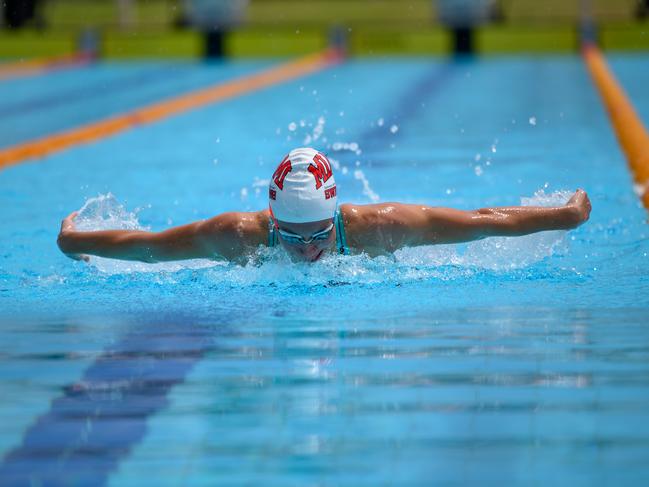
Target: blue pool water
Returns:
[503, 361]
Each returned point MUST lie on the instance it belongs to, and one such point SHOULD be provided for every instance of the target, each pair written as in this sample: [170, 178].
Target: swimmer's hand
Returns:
[387, 227]
[580, 204]
[231, 236]
[67, 227]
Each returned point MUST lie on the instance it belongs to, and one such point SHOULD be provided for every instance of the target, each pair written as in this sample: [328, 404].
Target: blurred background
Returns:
[195, 28]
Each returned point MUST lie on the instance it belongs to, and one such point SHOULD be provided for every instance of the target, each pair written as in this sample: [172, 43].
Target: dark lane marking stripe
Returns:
[100, 89]
[408, 107]
[631, 133]
[96, 423]
[92, 132]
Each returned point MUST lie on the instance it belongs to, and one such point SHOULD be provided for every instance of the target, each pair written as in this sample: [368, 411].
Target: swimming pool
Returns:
[501, 361]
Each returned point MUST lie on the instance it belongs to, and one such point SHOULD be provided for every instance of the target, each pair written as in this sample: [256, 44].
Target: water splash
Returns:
[104, 212]
[316, 133]
[367, 189]
[345, 146]
[503, 253]
[272, 266]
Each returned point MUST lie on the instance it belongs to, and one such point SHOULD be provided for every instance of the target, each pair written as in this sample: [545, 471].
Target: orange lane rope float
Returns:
[630, 131]
[104, 128]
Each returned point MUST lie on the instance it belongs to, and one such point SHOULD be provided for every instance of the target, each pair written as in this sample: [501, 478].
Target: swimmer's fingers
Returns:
[67, 226]
[581, 203]
[68, 222]
[82, 257]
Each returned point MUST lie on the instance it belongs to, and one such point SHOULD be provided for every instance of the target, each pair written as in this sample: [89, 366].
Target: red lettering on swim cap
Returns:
[280, 173]
[321, 171]
[330, 193]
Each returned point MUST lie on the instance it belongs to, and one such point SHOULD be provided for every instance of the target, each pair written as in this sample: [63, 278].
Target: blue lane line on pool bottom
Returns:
[409, 106]
[97, 421]
[100, 89]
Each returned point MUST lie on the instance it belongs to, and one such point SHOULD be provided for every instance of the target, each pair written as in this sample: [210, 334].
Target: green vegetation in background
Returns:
[295, 27]
[517, 39]
[347, 12]
[274, 42]
[282, 42]
[81, 14]
[179, 44]
[625, 37]
[555, 12]
[162, 14]
[31, 44]
[364, 42]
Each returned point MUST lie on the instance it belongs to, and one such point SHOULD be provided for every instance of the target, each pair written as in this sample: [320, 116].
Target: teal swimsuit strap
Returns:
[272, 234]
[341, 239]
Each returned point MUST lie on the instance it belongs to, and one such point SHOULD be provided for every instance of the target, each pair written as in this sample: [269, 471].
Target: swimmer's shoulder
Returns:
[248, 229]
[363, 216]
[364, 226]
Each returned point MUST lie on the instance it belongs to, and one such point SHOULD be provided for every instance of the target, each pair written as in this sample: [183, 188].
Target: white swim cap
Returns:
[303, 188]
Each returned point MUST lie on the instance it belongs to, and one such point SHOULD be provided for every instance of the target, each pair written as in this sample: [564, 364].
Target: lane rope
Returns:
[33, 67]
[42, 147]
[631, 133]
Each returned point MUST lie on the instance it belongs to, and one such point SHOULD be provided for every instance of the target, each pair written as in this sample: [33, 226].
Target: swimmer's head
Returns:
[303, 188]
[302, 197]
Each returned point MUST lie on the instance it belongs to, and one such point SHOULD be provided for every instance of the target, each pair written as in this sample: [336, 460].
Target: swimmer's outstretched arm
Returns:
[230, 236]
[389, 226]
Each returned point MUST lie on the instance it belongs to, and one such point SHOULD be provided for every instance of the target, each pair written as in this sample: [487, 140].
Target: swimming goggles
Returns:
[294, 238]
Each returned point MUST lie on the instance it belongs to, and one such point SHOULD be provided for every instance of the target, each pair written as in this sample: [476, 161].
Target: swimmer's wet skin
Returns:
[304, 218]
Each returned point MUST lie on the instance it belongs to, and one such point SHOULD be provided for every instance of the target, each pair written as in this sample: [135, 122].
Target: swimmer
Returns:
[304, 219]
